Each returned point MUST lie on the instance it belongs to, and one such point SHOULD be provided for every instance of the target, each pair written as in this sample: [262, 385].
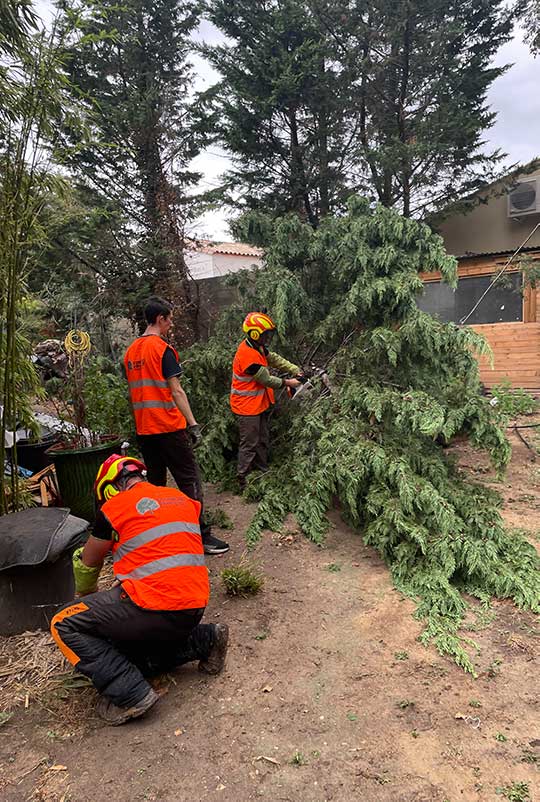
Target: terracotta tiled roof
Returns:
[229, 248]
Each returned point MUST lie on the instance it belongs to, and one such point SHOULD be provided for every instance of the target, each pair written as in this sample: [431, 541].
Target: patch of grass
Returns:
[494, 669]
[403, 704]
[516, 792]
[261, 635]
[352, 716]
[512, 401]
[415, 733]
[298, 759]
[242, 579]
[529, 757]
[333, 568]
[401, 655]
[475, 703]
[499, 736]
[4, 717]
[218, 517]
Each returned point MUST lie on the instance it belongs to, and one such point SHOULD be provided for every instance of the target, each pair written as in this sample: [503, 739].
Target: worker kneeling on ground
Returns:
[149, 622]
[252, 391]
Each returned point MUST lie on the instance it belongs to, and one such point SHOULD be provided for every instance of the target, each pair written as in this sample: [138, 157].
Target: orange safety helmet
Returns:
[256, 323]
[113, 470]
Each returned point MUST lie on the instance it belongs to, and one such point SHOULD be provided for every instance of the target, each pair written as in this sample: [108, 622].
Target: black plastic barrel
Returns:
[32, 454]
[36, 574]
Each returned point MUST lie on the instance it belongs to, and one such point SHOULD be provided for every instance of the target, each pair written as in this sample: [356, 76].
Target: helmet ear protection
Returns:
[109, 490]
[254, 334]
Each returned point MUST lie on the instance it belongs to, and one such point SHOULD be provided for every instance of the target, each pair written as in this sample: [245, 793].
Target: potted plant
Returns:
[92, 404]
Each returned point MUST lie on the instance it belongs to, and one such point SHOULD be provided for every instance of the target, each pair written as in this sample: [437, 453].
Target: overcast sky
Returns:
[515, 97]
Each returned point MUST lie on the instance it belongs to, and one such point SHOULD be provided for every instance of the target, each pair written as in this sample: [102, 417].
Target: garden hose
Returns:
[77, 345]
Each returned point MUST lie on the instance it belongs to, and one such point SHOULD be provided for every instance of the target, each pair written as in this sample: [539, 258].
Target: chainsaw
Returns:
[311, 379]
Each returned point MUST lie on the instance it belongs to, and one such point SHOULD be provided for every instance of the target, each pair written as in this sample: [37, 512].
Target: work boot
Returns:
[213, 545]
[216, 659]
[115, 715]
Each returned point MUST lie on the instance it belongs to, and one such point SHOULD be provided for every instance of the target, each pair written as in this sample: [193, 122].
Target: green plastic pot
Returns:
[76, 470]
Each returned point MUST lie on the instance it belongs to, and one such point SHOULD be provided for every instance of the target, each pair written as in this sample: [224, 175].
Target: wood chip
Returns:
[58, 767]
[267, 689]
[268, 760]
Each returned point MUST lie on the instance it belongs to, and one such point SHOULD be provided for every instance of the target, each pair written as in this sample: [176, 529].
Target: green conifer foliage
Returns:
[403, 385]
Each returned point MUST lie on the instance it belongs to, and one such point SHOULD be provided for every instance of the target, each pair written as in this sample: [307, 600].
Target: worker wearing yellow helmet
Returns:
[150, 621]
[252, 391]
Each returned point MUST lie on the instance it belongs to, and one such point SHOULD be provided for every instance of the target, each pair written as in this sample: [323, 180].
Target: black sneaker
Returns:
[216, 659]
[213, 545]
[115, 715]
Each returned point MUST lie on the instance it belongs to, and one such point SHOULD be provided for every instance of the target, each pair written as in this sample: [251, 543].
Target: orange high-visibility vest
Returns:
[248, 397]
[153, 405]
[159, 555]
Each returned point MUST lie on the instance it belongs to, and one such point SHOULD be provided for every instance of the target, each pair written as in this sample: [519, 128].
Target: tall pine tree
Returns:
[129, 64]
[382, 96]
[285, 108]
[425, 72]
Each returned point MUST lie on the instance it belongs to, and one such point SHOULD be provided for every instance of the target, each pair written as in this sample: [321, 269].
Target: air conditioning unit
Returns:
[524, 198]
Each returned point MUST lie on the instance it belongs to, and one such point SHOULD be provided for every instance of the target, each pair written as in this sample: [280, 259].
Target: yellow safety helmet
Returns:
[256, 323]
[114, 469]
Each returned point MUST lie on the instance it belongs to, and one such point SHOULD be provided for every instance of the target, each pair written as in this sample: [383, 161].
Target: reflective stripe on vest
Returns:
[153, 534]
[151, 398]
[248, 392]
[242, 378]
[163, 564]
[153, 405]
[147, 383]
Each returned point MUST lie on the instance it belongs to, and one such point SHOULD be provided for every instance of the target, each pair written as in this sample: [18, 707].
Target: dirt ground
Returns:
[327, 694]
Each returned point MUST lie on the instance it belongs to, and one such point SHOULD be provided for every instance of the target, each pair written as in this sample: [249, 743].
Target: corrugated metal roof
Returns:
[502, 254]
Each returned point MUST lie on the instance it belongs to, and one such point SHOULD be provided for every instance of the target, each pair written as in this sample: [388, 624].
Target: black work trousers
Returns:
[173, 450]
[254, 443]
[117, 644]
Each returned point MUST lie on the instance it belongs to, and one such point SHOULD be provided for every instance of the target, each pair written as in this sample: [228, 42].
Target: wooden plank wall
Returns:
[516, 354]
[515, 346]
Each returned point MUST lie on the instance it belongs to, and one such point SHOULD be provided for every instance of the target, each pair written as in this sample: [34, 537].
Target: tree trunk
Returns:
[166, 265]
[324, 202]
[299, 191]
[402, 125]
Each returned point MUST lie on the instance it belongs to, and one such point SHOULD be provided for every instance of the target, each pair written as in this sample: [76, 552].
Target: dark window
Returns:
[502, 304]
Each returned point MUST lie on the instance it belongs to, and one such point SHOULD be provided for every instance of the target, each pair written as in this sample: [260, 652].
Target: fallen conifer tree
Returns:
[403, 385]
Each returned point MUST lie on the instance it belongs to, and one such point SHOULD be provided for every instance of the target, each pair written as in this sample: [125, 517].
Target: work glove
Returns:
[85, 577]
[195, 435]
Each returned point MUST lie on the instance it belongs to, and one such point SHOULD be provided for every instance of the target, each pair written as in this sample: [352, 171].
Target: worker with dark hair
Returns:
[150, 622]
[167, 431]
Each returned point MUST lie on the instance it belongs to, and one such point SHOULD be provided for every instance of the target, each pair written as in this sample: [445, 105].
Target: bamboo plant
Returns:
[32, 92]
